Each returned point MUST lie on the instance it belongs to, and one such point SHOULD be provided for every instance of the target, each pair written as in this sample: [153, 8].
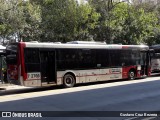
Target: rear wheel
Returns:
[131, 75]
[68, 81]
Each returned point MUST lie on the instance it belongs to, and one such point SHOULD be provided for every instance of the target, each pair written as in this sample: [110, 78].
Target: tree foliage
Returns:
[67, 20]
[18, 19]
[124, 23]
[131, 25]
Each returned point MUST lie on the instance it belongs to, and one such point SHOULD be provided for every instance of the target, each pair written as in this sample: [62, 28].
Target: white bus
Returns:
[155, 59]
[41, 64]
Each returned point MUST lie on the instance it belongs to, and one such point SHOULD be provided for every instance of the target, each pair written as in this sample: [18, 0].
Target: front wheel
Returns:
[131, 75]
[68, 81]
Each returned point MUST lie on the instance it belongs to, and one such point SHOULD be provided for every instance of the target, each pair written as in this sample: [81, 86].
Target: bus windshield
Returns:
[11, 54]
[11, 59]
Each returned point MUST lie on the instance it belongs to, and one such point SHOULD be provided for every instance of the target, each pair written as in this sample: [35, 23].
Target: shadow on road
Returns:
[131, 97]
[3, 91]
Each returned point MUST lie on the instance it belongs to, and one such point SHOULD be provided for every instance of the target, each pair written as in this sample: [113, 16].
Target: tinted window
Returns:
[87, 58]
[133, 57]
[11, 49]
[31, 56]
[126, 57]
[67, 59]
[76, 59]
[115, 58]
[11, 54]
[11, 59]
[102, 58]
[32, 61]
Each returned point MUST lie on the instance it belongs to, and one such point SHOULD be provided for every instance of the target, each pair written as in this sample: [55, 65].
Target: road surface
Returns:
[136, 95]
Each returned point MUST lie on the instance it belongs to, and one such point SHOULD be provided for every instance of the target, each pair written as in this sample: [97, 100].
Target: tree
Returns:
[5, 27]
[13, 17]
[18, 19]
[102, 30]
[32, 16]
[135, 25]
[155, 37]
[65, 20]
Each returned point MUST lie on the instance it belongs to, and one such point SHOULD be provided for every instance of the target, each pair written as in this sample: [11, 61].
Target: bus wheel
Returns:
[68, 80]
[131, 75]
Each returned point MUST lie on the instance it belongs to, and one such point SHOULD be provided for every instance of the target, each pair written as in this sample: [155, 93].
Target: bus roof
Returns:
[85, 46]
[155, 46]
[86, 42]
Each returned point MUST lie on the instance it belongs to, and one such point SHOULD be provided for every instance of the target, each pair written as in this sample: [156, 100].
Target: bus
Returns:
[44, 64]
[155, 58]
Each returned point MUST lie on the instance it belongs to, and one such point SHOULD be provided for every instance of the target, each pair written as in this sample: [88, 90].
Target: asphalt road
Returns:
[124, 96]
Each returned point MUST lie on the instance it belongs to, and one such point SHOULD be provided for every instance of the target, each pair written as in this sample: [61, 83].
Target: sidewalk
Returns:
[8, 86]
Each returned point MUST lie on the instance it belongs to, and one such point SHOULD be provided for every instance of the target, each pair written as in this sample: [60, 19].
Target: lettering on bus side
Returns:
[33, 76]
[115, 70]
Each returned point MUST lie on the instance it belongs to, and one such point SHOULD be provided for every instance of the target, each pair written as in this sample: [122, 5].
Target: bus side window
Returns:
[32, 61]
[87, 58]
[67, 59]
[115, 58]
[102, 58]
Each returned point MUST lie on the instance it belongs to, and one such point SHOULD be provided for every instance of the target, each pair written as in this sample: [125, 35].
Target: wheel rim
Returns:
[69, 80]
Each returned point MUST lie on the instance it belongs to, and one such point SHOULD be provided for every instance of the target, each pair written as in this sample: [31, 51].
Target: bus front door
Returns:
[48, 67]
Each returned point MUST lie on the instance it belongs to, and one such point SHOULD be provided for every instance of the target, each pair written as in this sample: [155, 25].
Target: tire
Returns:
[68, 81]
[131, 75]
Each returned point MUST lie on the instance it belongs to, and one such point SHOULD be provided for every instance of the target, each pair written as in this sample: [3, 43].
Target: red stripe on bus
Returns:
[124, 47]
[92, 75]
[32, 79]
[22, 46]
[97, 75]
